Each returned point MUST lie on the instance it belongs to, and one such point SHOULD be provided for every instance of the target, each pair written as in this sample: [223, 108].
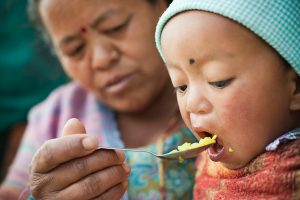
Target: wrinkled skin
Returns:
[70, 168]
[108, 47]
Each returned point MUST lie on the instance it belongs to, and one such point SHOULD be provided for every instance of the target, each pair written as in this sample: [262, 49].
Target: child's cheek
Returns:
[184, 115]
[235, 110]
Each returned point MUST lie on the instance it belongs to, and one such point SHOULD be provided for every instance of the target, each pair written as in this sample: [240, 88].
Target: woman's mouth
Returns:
[119, 84]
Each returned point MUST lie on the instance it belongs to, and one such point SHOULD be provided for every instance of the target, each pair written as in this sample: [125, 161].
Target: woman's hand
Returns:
[70, 167]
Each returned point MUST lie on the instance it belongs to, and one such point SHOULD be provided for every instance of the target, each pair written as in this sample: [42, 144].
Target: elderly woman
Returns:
[122, 96]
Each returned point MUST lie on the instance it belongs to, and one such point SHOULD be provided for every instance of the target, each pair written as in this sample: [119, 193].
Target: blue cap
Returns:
[277, 22]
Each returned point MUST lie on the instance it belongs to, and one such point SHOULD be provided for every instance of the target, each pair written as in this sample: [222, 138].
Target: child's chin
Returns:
[232, 165]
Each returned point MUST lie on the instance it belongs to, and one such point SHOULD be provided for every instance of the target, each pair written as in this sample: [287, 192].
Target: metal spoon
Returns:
[167, 156]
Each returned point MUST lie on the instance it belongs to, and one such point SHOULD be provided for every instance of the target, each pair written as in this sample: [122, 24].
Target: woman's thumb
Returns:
[73, 126]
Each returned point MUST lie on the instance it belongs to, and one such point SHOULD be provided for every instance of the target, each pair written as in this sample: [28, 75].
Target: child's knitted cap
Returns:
[277, 22]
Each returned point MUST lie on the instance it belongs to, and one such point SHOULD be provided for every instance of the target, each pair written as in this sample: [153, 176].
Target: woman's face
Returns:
[108, 47]
[229, 83]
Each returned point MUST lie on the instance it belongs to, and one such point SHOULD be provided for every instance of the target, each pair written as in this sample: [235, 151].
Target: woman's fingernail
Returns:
[120, 155]
[126, 168]
[89, 143]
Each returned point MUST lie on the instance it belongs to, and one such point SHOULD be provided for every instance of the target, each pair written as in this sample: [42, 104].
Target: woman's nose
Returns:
[104, 56]
[197, 102]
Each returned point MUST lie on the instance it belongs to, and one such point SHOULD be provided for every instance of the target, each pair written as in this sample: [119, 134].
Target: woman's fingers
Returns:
[95, 184]
[71, 167]
[73, 126]
[74, 170]
[105, 168]
[57, 151]
[114, 193]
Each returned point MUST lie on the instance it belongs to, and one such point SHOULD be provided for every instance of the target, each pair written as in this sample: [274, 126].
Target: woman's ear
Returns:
[295, 92]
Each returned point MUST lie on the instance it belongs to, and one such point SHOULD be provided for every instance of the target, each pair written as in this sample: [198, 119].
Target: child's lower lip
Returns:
[214, 153]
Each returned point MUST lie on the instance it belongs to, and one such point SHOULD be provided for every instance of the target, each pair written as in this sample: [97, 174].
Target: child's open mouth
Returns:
[216, 150]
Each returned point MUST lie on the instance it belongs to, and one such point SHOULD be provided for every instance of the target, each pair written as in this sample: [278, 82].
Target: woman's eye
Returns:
[115, 29]
[77, 50]
[118, 28]
[181, 88]
[220, 84]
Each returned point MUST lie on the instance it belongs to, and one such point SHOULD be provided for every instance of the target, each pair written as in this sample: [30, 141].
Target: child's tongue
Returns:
[215, 151]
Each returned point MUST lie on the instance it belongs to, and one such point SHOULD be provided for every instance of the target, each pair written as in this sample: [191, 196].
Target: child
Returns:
[235, 65]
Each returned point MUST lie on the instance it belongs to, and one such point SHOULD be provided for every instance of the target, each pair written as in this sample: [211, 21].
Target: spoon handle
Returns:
[138, 150]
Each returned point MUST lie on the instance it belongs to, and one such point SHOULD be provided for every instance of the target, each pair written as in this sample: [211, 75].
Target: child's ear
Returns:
[295, 90]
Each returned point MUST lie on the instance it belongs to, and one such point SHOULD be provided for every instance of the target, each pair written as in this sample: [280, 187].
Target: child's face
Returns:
[229, 83]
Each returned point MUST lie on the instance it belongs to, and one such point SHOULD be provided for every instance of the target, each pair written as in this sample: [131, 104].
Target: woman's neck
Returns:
[140, 129]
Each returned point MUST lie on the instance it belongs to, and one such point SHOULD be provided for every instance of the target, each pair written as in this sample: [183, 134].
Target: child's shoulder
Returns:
[288, 150]
[286, 156]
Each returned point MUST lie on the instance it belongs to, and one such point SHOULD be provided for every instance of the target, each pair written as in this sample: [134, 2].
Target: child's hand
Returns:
[70, 168]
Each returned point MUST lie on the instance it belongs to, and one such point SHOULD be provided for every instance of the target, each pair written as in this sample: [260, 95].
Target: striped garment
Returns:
[46, 121]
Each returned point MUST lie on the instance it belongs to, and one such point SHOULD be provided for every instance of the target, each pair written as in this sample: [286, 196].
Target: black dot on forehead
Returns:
[191, 61]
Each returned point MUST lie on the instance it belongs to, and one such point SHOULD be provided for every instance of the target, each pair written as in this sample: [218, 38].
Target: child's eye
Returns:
[181, 88]
[220, 84]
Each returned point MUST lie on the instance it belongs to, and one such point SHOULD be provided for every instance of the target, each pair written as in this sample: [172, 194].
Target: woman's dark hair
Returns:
[35, 16]
[153, 1]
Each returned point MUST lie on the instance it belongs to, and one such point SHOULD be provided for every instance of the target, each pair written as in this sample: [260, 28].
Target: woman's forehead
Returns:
[60, 15]
[74, 8]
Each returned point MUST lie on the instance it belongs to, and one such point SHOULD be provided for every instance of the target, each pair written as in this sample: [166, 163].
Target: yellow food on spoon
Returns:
[186, 146]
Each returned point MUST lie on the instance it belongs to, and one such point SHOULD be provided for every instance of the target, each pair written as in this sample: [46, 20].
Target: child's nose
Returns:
[103, 56]
[197, 102]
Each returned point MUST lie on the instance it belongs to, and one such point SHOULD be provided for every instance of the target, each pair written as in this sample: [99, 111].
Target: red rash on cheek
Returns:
[235, 110]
